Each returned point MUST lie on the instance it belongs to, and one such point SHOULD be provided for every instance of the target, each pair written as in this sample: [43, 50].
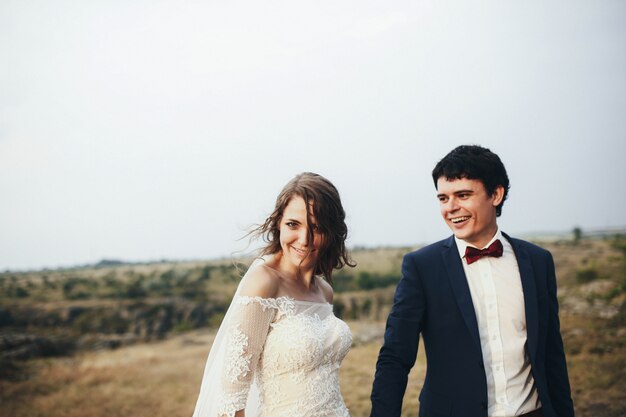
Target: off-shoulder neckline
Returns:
[264, 264]
[288, 298]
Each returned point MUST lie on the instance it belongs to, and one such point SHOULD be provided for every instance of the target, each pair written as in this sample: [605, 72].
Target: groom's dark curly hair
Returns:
[475, 163]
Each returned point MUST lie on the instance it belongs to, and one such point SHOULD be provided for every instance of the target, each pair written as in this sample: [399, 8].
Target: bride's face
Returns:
[297, 249]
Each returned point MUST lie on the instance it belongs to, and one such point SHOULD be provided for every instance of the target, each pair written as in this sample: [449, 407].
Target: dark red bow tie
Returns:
[473, 254]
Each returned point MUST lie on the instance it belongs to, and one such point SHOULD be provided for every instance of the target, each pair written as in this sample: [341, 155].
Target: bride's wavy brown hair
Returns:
[323, 198]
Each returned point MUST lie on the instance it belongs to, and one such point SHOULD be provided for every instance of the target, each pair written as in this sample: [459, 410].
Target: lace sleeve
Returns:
[246, 336]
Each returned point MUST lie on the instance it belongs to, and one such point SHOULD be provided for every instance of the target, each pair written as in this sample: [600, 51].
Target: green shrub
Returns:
[366, 307]
[585, 275]
[181, 327]
[619, 243]
[21, 292]
[339, 308]
[135, 290]
[365, 281]
[78, 288]
[206, 273]
[215, 320]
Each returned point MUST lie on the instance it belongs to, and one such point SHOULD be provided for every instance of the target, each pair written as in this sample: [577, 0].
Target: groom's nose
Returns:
[452, 205]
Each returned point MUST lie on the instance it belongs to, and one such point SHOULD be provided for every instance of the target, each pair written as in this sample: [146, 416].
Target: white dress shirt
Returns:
[498, 298]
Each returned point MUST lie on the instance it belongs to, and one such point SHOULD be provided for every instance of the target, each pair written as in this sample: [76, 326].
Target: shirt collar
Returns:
[461, 245]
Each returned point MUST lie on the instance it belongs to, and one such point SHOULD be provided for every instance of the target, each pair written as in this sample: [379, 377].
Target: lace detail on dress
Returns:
[248, 328]
[299, 368]
[293, 350]
[321, 396]
[275, 357]
[237, 358]
[284, 305]
[229, 404]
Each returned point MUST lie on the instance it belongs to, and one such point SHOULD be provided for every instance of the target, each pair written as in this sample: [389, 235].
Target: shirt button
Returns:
[497, 368]
[494, 337]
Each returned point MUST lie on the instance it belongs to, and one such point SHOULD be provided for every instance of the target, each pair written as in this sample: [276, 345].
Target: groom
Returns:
[486, 307]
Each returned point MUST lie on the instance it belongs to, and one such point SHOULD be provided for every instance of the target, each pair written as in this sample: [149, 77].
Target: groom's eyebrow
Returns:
[456, 193]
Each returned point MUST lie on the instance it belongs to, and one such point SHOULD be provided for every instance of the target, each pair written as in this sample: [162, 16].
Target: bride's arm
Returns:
[248, 326]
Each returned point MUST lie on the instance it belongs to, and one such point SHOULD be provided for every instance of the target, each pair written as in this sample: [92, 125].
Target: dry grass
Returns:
[158, 380]
[380, 260]
[596, 357]
[163, 378]
[357, 376]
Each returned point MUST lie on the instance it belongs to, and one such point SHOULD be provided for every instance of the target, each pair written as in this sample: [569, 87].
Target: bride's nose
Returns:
[303, 237]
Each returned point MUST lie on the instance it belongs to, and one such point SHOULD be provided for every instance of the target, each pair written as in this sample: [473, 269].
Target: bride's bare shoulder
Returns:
[327, 289]
[259, 281]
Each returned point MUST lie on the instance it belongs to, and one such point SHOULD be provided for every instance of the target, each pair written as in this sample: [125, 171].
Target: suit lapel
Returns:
[530, 293]
[461, 290]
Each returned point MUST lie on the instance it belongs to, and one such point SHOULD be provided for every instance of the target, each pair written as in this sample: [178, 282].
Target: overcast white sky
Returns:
[143, 130]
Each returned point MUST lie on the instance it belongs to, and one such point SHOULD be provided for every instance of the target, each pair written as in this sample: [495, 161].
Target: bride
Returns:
[279, 348]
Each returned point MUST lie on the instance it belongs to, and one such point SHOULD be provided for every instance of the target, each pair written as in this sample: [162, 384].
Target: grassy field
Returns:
[160, 376]
[159, 379]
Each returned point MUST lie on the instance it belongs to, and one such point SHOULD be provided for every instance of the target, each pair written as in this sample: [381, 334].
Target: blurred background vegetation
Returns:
[117, 339]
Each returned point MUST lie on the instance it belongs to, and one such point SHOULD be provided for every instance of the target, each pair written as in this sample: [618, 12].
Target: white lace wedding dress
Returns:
[280, 357]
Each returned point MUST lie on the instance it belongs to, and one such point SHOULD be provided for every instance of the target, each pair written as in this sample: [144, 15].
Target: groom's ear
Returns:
[497, 196]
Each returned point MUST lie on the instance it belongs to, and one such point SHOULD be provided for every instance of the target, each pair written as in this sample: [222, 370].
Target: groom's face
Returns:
[468, 209]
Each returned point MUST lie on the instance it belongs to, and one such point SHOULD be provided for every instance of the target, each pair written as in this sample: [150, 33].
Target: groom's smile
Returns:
[457, 220]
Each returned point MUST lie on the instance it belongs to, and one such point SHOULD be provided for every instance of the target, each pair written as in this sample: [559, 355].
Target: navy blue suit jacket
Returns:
[433, 299]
